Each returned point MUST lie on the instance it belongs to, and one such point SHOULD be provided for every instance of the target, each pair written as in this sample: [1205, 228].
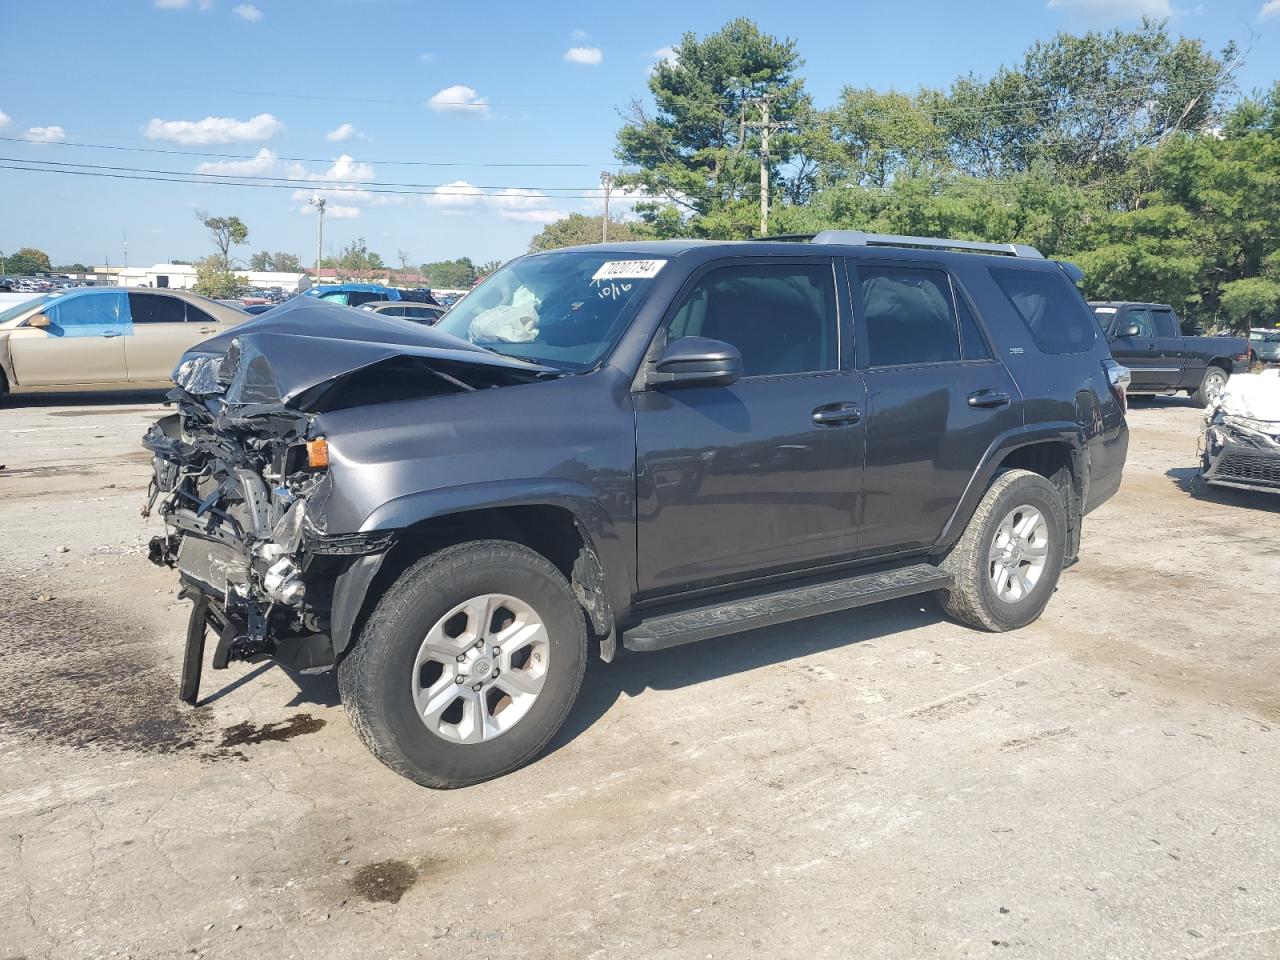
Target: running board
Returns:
[671, 629]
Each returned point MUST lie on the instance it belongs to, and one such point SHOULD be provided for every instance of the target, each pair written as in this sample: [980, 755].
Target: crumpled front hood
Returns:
[306, 343]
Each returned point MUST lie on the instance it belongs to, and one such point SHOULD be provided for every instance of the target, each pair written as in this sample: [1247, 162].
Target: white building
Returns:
[182, 276]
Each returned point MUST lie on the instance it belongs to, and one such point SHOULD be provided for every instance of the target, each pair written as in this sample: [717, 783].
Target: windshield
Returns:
[22, 307]
[562, 309]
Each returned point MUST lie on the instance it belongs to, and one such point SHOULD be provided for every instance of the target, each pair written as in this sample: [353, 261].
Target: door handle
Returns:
[836, 414]
[207, 330]
[110, 334]
[988, 398]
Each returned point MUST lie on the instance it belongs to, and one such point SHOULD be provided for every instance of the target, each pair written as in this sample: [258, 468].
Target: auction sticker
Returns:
[629, 269]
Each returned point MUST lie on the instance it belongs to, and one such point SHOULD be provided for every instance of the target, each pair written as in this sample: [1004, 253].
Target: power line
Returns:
[319, 183]
[367, 188]
[241, 156]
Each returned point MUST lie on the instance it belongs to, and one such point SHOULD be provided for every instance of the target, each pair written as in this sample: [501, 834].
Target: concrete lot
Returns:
[881, 783]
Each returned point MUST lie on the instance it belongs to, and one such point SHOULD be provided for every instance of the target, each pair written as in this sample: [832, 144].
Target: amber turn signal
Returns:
[318, 453]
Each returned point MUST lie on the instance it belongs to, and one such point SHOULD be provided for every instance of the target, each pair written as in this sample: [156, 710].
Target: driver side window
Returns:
[1138, 318]
[781, 317]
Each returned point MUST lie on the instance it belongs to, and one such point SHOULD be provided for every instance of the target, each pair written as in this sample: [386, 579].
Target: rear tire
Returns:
[1002, 582]
[1215, 379]
[398, 692]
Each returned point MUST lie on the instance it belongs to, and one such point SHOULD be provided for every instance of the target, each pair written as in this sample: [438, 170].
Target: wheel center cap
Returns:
[481, 668]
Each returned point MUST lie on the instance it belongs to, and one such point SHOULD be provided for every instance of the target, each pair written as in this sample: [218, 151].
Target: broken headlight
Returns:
[199, 375]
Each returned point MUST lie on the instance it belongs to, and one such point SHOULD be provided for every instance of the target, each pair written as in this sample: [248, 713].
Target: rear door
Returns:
[161, 335]
[762, 475]
[936, 399]
[1173, 358]
[84, 343]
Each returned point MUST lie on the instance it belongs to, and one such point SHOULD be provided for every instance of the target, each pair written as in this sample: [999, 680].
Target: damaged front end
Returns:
[1240, 446]
[241, 475]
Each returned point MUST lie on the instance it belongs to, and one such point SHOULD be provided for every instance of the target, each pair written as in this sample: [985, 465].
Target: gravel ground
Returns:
[881, 783]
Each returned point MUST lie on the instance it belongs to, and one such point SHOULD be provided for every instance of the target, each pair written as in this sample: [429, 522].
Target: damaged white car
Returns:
[1241, 443]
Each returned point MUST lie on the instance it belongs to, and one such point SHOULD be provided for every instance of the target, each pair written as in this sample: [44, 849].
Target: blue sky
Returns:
[347, 86]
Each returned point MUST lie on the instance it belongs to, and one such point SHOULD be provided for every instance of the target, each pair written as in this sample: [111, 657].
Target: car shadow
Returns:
[1187, 479]
[95, 398]
[632, 674]
[1162, 400]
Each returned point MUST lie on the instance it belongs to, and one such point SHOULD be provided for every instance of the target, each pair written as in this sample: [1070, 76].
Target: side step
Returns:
[673, 628]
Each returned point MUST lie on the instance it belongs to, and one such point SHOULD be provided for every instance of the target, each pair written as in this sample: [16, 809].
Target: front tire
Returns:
[1211, 386]
[1007, 562]
[468, 664]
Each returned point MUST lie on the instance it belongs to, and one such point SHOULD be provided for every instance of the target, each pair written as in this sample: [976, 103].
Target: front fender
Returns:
[352, 585]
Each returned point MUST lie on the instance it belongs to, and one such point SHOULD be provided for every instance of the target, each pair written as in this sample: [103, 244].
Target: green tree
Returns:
[487, 267]
[278, 262]
[700, 151]
[1251, 302]
[356, 260]
[226, 233]
[450, 274]
[214, 280]
[71, 268]
[26, 261]
[577, 229]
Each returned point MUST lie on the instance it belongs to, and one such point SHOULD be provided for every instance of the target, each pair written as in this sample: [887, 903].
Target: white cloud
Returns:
[46, 134]
[214, 130]
[459, 99]
[4, 119]
[454, 197]
[427, 56]
[513, 203]
[1117, 9]
[343, 132]
[342, 181]
[585, 55]
[664, 55]
[1269, 9]
[622, 201]
[260, 165]
[533, 216]
[247, 11]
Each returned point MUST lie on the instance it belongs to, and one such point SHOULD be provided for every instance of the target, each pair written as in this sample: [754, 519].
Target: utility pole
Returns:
[767, 127]
[126, 248]
[319, 203]
[606, 181]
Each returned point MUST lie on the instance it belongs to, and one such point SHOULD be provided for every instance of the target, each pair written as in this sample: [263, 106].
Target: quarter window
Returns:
[907, 316]
[971, 338]
[782, 318]
[1050, 307]
[1165, 325]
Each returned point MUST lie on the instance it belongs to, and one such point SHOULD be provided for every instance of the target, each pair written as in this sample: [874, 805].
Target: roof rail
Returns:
[858, 238]
[789, 237]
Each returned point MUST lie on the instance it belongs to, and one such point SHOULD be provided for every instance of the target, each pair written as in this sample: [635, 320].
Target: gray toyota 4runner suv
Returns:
[639, 444]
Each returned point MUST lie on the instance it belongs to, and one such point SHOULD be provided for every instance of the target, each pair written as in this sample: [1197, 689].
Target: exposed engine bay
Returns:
[1240, 446]
[241, 471]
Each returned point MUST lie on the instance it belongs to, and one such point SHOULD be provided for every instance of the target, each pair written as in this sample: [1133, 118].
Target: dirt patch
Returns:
[73, 676]
[947, 708]
[385, 881]
[243, 733]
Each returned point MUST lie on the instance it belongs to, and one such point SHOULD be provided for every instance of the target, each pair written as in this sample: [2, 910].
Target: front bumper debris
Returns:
[1242, 453]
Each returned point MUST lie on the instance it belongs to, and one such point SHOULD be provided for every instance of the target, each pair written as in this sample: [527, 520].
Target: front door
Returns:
[763, 475]
[936, 400]
[83, 344]
[1141, 353]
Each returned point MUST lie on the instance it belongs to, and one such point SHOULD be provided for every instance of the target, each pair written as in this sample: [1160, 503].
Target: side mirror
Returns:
[39, 321]
[1132, 330]
[696, 361]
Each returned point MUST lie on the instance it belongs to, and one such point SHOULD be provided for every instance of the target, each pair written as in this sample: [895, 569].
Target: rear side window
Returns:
[908, 316]
[971, 338]
[1165, 324]
[157, 308]
[1055, 316]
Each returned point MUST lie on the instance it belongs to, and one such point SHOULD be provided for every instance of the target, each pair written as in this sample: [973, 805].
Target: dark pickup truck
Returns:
[629, 445]
[1147, 338]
